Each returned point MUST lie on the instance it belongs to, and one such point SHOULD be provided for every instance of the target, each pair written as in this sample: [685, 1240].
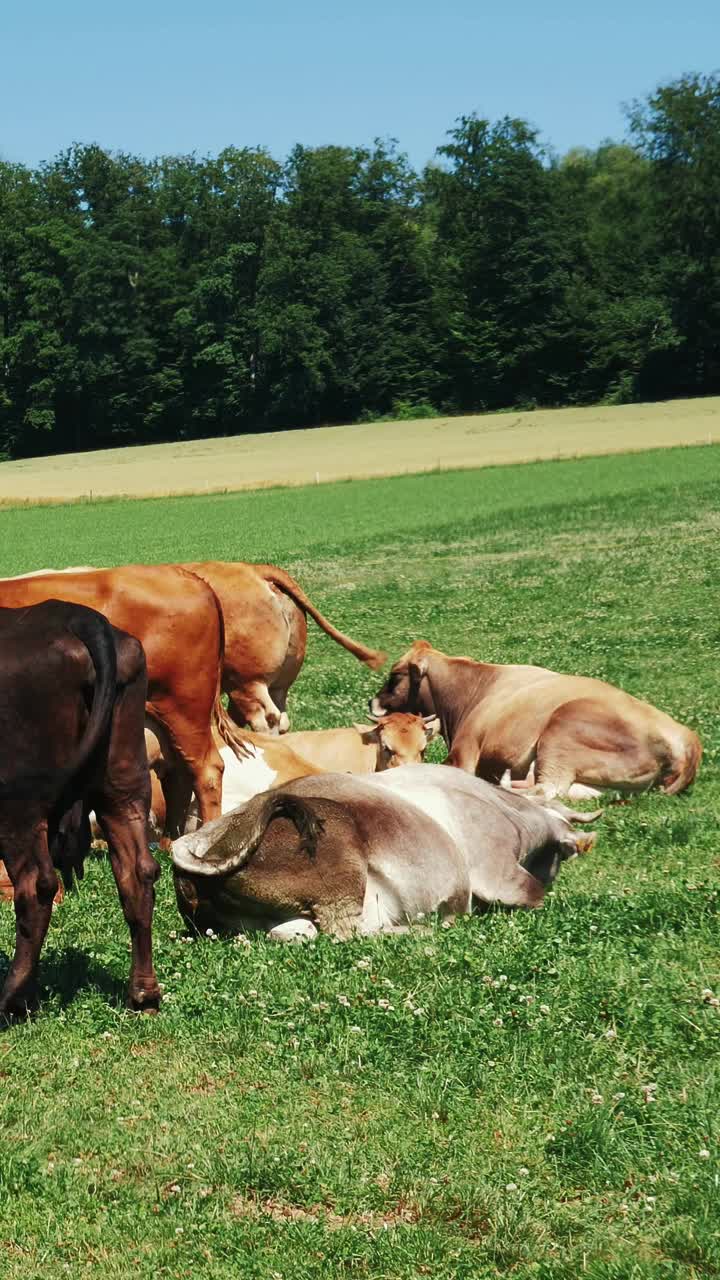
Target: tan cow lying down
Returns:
[392, 740]
[271, 762]
[342, 855]
[571, 729]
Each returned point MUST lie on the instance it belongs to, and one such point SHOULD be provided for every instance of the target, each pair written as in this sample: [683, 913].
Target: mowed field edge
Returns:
[525, 1094]
[325, 454]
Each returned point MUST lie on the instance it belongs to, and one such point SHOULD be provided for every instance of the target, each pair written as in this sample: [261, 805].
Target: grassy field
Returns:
[327, 454]
[529, 1094]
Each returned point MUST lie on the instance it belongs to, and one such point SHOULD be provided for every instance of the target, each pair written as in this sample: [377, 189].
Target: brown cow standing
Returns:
[265, 638]
[177, 619]
[72, 714]
[570, 728]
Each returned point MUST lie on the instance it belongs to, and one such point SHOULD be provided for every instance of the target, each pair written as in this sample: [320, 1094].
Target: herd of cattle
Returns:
[112, 725]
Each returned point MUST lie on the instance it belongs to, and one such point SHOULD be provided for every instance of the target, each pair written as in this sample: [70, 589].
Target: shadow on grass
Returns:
[67, 974]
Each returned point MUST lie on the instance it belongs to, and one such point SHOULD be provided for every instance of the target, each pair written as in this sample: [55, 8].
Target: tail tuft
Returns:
[229, 732]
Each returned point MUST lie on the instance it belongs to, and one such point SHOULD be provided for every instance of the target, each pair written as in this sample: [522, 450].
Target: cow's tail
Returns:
[373, 658]
[685, 768]
[95, 632]
[228, 731]
[248, 828]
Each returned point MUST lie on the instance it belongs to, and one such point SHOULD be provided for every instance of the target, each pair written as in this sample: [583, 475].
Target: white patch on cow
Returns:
[293, 931]
[154, 827]
[432, 800]
[246, 777]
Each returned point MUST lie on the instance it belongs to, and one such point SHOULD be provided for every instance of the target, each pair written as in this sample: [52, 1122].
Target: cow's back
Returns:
[522, 700]
[172, 613]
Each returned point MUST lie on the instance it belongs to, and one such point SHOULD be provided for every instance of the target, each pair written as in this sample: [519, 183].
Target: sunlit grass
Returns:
[525, 1094]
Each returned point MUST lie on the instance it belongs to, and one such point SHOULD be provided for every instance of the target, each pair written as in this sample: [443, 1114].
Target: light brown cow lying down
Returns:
[571, 729]
[271, 762]
[393, 740]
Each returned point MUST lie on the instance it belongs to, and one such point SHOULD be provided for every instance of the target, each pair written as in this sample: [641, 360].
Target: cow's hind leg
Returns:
[251, 706]
[122, 804]
[135, 871]
[30, 868]
[583, 743]
[278, 696]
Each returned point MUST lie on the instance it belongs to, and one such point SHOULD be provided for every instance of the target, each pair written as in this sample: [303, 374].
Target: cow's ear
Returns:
[418, 661]
[431, 725]
[367, 732]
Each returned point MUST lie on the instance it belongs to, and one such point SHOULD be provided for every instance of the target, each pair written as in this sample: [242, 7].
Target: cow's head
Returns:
[406, 688]
[402, 738]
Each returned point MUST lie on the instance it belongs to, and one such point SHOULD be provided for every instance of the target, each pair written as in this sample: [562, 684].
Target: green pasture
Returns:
[533, 1095]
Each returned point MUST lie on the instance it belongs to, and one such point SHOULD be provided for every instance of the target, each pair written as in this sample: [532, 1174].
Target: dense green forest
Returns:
[148, 300]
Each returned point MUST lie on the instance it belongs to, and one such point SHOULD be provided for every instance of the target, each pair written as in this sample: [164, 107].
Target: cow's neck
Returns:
[457, 686]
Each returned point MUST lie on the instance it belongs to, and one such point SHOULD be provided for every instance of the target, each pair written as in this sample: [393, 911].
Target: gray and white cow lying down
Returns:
[339, 854]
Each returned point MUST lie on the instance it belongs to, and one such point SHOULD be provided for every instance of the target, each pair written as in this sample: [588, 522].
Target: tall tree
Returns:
[343, 289]
[678, 130]
[499, 267]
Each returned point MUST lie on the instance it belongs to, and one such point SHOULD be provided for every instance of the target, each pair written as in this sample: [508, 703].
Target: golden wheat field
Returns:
[324, 454]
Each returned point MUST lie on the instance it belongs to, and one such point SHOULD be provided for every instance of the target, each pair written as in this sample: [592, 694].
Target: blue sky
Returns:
[166, 77]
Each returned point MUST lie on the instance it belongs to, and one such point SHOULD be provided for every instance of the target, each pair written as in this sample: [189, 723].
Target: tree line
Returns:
[152, 300]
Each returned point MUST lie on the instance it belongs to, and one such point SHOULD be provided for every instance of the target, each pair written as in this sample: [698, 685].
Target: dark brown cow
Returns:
[177, 619]
[72, 718]
[265, 638]
[569, 729]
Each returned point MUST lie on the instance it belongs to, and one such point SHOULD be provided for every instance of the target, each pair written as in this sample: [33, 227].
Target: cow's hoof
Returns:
[144, 1000]
[18, 1009]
